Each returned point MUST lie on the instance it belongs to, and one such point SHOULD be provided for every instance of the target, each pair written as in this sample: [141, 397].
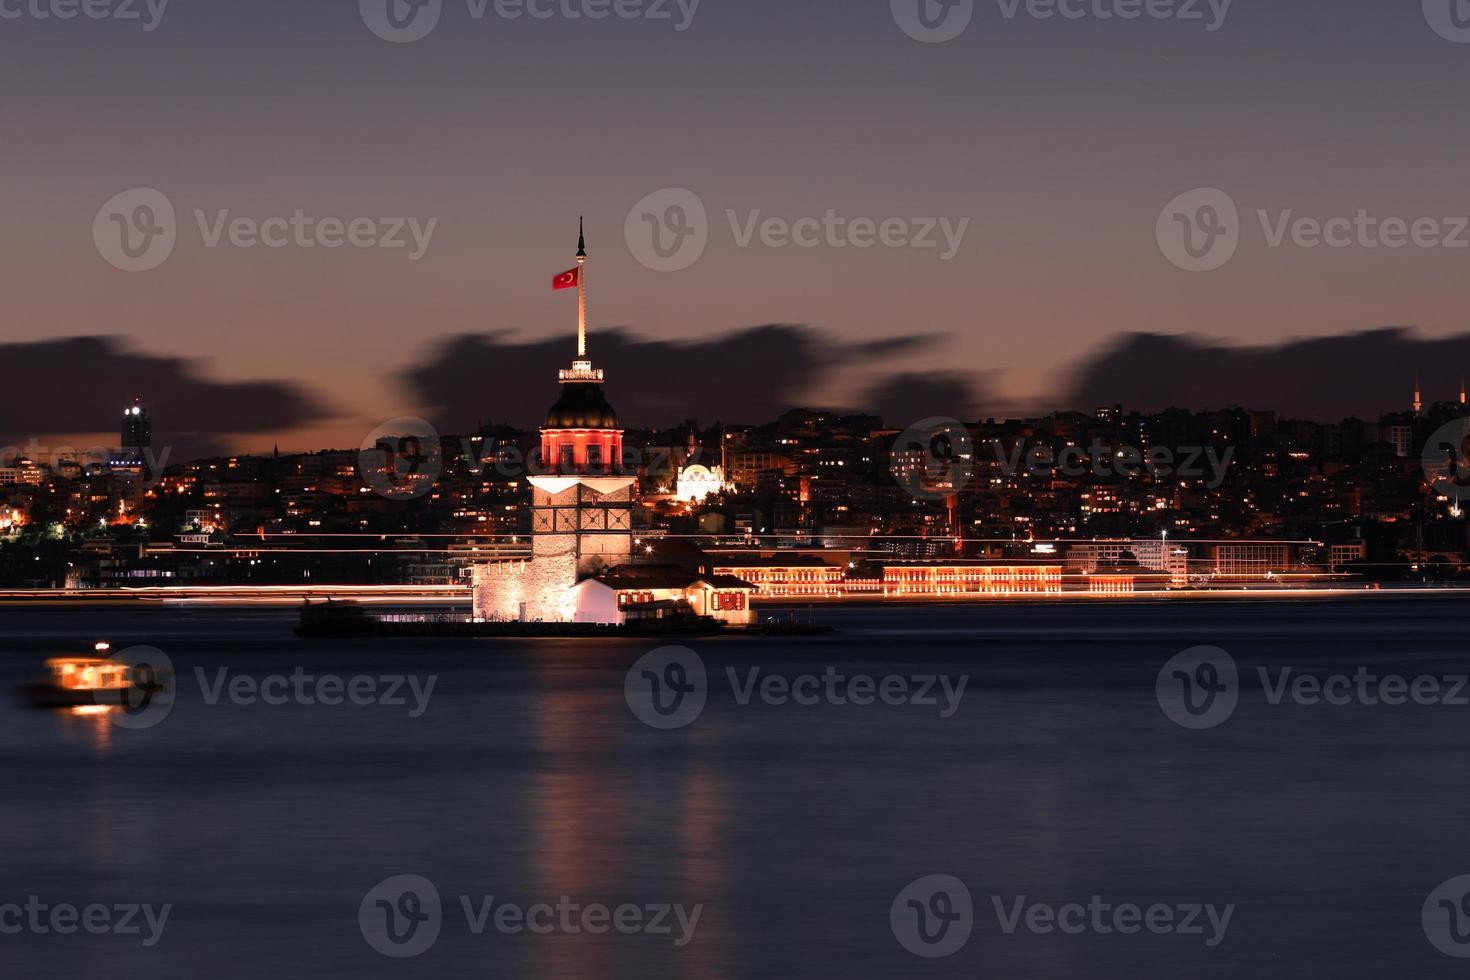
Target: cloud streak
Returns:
[80, 385]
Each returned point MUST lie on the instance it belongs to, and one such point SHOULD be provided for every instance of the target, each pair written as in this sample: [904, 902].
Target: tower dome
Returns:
[582, 405]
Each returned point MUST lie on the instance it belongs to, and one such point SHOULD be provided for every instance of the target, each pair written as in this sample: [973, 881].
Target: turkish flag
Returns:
[568, 279]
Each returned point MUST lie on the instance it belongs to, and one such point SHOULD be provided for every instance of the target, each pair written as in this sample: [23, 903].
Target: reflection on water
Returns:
[529, 779]
[88, 723]
[578, 815]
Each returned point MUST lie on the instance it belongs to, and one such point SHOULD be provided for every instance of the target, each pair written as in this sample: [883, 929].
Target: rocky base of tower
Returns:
[539, 589]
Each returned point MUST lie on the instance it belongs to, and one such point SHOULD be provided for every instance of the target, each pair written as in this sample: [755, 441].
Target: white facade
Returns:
[581, 526]
[696, 482]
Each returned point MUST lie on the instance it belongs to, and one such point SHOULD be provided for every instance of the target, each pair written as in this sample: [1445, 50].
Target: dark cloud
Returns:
[747, 375]
[1327, 378]
[904, 399]
[80, 385]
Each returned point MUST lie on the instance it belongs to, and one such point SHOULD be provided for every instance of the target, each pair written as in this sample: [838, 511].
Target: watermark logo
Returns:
[1446, 917]
[667, 688]
[1446, 461]
[401, 21]
[136, 230]
[1199, 230]
[833, 230]
[933, 458]
[668, 230]
[401, 916]
[406, 21]
[937, 21]
[933, 21]
[933, 916]
[40, 918]
[1449, 18]
[401, 459]
[1105, 918]
[148, 697]
[936, 457]
[941, 692]
[89, 460]
[1199, 688]
[148, 12]
[407, 691]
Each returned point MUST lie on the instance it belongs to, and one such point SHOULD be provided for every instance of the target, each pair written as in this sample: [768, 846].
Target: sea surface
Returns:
[797, 830]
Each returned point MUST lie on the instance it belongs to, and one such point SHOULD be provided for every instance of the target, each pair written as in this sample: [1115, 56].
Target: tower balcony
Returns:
[580, 371]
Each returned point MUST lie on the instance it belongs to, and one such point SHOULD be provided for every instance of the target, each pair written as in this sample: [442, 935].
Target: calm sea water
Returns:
[529, 778]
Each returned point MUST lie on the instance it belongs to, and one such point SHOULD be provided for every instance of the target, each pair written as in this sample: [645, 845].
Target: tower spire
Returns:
[581, 290]
[1418, 399]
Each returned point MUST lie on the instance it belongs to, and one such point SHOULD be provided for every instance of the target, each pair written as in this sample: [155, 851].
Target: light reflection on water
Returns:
[529, 779]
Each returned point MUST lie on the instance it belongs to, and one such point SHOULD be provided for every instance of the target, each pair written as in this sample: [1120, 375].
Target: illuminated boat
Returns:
[72, 682]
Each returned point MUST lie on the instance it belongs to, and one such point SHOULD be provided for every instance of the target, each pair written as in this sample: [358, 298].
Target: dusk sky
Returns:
[1059, 141]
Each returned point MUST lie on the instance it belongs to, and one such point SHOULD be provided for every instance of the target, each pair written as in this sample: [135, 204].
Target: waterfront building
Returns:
[1154, 554]
[1251, 560]
[939, 579]
[785, 576]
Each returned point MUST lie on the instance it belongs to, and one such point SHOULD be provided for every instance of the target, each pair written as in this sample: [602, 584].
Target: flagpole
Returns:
[581, 293]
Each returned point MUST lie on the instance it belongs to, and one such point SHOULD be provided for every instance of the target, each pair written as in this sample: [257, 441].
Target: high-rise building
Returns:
[137, 429]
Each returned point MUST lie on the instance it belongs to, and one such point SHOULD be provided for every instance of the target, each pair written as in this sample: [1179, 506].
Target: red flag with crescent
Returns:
[568, 279]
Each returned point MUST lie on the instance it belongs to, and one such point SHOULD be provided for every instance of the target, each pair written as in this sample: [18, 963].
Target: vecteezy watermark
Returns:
[1103, 918]
[1446, 917]
[401, 459]
[1200, 230]
[1200, 688]
[934, 917]
[406, 21]
[1446, 462]
[833, 230]
[669, 230]
[40, 918]
[833, 687]
[138, 229]
[933, 458]
[1450, 19]
[937, 457]
[89, 460]
[301, 687]
[668, 688]
[148, 13]
[403, 916]
[936, 21]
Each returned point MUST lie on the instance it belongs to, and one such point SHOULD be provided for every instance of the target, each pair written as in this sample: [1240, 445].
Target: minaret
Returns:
[581, 367]
[1462, 390]
[1418, 399]
[581, 290]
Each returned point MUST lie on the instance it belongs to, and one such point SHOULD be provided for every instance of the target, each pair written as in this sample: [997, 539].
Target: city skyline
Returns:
[1001, 127]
